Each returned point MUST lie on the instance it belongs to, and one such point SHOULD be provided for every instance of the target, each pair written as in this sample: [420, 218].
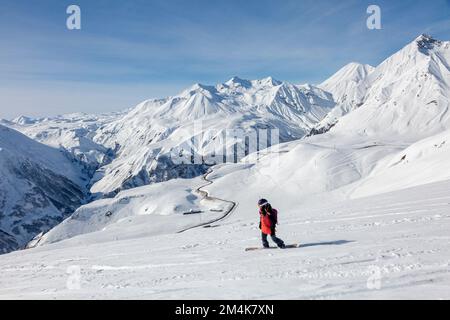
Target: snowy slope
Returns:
[344, 85]
[390, 246]
[164, 208]
[325, 169]
[39, 186]
[284, 171]
[348, 90]
[149, 136]
[425, 161]
[305, 172]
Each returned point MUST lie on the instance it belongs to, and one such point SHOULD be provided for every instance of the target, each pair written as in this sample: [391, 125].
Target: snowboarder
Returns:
[267, 223]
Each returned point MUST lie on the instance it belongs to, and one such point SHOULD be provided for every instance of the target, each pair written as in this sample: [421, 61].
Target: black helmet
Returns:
[262, 202]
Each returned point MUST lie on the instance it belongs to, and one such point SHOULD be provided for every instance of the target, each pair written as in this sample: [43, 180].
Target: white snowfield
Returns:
[394, 245]
[368, 200]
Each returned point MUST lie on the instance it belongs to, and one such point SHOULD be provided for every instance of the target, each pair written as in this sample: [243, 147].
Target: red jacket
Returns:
[268, 222]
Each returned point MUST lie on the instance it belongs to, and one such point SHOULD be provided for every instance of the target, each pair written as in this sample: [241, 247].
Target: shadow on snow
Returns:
[326, 243]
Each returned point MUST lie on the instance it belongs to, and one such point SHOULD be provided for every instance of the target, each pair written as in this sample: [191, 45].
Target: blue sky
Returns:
[131, 50]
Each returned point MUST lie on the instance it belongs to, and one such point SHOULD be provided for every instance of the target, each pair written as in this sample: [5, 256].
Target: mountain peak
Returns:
[426, 42]
[24, 120]
[425, 37]
[269, 81]
[352, 72]
[356, 65]
[199, 88]
[236, 81]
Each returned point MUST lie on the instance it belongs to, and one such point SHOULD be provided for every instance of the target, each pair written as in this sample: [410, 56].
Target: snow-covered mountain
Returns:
[39, 187]
[146, 139]
[344, 84]
[137, 147]
[347, 90]
[406, 96]
[71, 132]
[367, 197]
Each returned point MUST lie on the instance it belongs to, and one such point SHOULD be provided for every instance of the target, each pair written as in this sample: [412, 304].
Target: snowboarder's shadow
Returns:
[326, 243]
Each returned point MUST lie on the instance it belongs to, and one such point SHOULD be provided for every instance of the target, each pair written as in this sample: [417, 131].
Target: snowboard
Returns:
[288, 246]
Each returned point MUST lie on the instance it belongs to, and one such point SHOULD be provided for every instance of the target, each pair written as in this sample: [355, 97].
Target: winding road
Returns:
[205, 194]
